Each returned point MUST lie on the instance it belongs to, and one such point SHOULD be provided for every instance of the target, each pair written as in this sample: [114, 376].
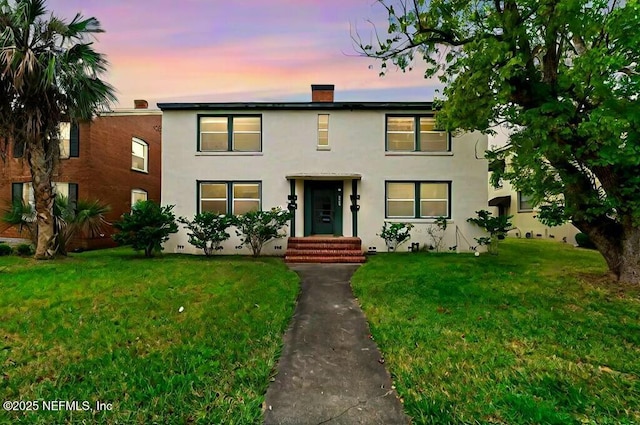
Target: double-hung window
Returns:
[229, 197]
[415, 134]
[139, 155]
[236, 133]
[418, 199]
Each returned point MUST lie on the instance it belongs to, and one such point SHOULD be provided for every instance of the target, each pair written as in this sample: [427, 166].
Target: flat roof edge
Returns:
[297, 105]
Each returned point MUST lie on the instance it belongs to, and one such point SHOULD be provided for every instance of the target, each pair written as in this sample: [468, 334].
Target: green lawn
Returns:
[536, 335]
[105, 326]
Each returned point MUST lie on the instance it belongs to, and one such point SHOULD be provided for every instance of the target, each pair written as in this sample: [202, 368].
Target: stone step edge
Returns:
[306, 259]
[325, 252]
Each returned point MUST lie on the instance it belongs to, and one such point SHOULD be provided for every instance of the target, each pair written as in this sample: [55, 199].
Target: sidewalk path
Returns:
[330, 370]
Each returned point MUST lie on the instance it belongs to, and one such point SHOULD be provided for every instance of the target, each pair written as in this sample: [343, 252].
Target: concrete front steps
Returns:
[321, 249]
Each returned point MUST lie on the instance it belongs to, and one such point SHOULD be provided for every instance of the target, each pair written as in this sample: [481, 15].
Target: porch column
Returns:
[292, 206]
[354, 206]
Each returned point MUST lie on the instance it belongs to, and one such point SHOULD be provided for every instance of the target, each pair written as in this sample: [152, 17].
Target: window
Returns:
[68, 190]
[238, 133]
[138, 195]
[415, 134]
[24, 191]
[418, 199]
[323, 131]
[524, 203]
[69, 140]
[139, 155]
[229, 197]
[65, 140]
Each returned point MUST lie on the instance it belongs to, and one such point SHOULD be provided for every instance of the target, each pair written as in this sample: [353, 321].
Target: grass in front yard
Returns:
[105, 326]
[536, 335]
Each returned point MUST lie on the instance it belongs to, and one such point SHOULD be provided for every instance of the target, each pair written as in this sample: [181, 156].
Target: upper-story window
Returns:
[415, 134]
[69, 140]
[237, 133]
[139, 155]
[65, 139]
[69, 135]
[323, 132]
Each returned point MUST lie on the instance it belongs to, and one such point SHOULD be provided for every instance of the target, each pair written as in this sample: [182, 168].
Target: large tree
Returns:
[48, 72]
[564, 75]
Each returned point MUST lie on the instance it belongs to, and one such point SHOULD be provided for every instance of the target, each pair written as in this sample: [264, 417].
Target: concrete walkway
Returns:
[330, 370]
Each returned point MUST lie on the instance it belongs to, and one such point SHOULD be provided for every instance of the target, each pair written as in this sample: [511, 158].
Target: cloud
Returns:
[238, 50]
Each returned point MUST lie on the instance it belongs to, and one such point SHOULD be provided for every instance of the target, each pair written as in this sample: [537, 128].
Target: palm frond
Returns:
[90, 217]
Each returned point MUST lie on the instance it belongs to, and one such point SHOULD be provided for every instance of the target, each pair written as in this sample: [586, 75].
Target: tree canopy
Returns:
[564, 76]
[48, 72]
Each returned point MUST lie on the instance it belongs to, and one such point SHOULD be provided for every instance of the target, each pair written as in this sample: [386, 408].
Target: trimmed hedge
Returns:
[5, 249]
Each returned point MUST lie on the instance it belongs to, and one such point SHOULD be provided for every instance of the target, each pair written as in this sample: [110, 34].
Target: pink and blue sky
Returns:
[241, 50]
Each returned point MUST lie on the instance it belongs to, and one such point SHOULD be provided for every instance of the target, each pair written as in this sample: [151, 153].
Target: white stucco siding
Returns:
[289, 147]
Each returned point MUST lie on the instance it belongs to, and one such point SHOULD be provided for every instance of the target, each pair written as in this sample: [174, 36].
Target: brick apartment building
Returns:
[114, 158]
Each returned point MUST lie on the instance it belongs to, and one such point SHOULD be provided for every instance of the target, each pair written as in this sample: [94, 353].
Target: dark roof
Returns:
[237, 106]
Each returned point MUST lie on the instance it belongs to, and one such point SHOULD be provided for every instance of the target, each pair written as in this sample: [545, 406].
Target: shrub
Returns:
[395, 234]
[207, 231]
[24, 249]
[22, 216]
[497, 228]
[146, 227]
[81, 217]
[256, 228]
[71, 218]
[436, 232]
[5, 249]
[583, 241]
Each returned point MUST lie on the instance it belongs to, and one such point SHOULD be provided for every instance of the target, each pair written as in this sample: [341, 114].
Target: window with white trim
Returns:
[229, 197]
[415, 134]
[230, 133]
[138, 195]
[418, 199]
[139, 155]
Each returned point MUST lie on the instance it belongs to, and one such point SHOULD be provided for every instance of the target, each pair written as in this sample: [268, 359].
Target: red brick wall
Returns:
[103, 168]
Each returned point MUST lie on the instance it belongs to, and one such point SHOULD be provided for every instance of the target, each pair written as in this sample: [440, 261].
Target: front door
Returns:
[324, 209]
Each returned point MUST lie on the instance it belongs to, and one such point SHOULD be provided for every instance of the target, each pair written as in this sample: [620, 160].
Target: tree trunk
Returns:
[630, 259]
[620, 247]
[41, 170]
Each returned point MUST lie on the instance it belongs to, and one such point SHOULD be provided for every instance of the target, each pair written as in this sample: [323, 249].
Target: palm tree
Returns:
[85, 218]
[48, 71]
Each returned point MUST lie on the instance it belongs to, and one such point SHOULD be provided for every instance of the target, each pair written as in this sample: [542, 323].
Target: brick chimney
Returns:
[322, 92]
[140, 104]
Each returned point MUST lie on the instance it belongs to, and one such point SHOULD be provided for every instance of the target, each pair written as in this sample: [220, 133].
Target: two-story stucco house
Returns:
[346, 166]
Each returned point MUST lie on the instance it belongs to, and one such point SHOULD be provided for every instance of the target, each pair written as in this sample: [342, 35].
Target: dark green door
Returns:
[323, 208]
[324, 211]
